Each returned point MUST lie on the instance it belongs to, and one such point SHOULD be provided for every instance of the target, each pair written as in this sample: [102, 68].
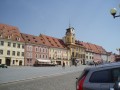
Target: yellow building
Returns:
[76, 49]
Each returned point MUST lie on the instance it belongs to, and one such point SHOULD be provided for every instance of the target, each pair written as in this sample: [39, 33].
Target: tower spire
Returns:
[69, 23]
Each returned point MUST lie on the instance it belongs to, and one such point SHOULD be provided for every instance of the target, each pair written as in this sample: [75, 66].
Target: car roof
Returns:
[106, 65]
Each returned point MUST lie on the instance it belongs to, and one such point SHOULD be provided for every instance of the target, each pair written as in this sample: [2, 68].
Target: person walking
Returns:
[63, 65]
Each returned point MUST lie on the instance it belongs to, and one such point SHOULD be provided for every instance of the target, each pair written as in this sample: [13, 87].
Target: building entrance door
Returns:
[20, 63]
[8, 60]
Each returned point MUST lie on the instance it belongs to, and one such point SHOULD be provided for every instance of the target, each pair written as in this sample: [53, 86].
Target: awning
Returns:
[42, 60]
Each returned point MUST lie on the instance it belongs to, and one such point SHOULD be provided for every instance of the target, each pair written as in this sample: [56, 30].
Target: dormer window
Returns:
[1, 36]
[18, 39]
[9, 37]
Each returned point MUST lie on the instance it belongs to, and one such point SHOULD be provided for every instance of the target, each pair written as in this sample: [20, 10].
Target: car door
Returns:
[115, 74]
[101, 78]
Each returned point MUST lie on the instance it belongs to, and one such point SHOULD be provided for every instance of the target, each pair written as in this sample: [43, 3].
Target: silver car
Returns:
[101, 77]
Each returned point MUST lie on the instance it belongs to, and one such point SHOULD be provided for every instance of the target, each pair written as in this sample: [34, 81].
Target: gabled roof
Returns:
[33, 39]
[87, 46]
[10, 32]
[94, 48]
[53, 42]
[101, 49]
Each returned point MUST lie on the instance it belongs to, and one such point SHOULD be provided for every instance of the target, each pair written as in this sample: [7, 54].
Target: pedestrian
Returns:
[94, 63]
[63, 65]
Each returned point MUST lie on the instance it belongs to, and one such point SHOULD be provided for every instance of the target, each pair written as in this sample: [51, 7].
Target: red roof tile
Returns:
[53, 42]
[33, 39]
[10, 31]
[94, 48]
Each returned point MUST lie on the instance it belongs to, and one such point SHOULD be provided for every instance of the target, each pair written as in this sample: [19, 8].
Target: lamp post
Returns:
[113, 12]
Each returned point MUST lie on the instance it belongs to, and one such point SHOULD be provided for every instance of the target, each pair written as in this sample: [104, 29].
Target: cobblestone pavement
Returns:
[12, 74]
[60, 82]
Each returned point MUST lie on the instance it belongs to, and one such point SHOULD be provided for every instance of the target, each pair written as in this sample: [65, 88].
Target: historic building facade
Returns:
[77, 50]
[58, 52]
[35, 49]
[11, 46]
[23, 49]
[89, 54]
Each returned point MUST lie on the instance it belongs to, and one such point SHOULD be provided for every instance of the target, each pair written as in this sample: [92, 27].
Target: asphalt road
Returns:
[58, 82]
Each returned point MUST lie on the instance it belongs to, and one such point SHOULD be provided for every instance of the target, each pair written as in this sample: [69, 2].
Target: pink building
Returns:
[35, 49]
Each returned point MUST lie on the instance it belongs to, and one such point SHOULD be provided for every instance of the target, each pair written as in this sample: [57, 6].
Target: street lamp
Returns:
[113, 12]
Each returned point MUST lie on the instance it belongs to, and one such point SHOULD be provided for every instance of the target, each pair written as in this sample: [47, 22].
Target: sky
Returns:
[91, 19]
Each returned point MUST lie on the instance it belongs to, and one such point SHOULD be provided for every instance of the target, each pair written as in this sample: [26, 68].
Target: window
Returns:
[8, 52]
[46, 56]
[43, 56]
[18, 39]
[29, 48]
[36, 49]
[2, 43]
[36, 55]
[27, 60]
[13, 53]
[18, 46]
[0, 35]
[1, 52]
[22, 54]
[72, 40]
[18, 53]
[40, 49]
[30, 55]
[22, 46]
[90, 57]
[14, 44]
[9, 44]
[68, 39]
[13, 61]
[115, 73]
[86, 57]
[103, 76]
[9, 37]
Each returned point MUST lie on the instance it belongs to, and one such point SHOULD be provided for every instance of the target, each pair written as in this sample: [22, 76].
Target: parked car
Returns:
[89, 62]
[3, 66]
[101, 77]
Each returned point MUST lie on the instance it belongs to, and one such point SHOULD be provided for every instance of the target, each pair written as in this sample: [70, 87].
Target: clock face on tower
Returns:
[68, 33]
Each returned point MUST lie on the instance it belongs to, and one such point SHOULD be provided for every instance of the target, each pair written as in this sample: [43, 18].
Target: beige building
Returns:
[58, 53]
[11, 46]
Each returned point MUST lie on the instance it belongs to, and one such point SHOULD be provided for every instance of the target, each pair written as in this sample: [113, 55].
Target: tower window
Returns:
[68, 40]
[72, 40]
